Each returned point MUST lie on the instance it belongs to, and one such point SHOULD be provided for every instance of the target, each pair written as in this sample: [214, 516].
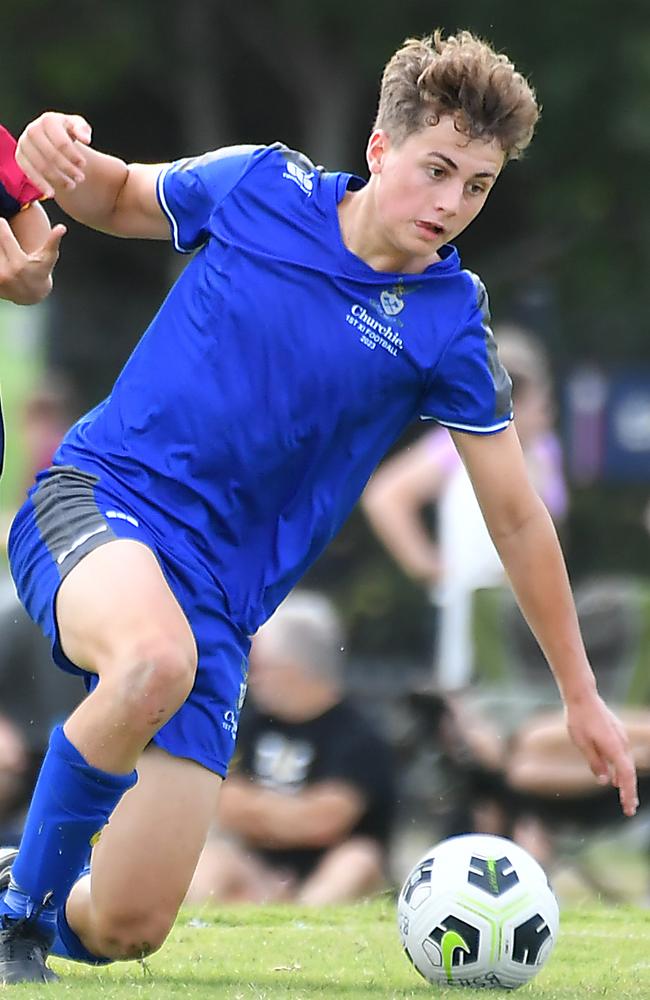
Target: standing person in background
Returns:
[29, 247]
[320, 314]
[43, 419]
[456, 561]
[306, 812]
[459, 557]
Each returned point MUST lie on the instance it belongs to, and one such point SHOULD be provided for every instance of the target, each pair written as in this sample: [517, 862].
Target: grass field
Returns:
[351, 953]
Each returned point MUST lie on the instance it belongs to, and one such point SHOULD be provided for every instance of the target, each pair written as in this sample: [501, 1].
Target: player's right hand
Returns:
[602, 739]
[49, 152]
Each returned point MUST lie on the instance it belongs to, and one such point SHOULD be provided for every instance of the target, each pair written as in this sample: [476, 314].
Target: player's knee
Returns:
[155, 678]
[125, 934]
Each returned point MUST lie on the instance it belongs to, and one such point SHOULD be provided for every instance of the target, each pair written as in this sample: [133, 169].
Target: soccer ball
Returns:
[477, 911]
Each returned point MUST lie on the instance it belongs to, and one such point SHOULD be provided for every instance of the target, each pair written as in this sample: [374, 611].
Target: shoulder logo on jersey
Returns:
[303, 178]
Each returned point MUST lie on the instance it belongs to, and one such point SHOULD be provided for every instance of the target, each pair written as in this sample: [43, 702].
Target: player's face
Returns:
[429, 188]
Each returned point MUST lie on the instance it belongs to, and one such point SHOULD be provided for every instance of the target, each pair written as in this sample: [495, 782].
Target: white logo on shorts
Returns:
[230, 723]
[121, 516]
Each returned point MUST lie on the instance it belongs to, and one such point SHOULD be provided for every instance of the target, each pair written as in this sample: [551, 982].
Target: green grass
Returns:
[351, 953]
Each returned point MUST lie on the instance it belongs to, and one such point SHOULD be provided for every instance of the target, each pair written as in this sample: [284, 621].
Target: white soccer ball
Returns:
[477, 911]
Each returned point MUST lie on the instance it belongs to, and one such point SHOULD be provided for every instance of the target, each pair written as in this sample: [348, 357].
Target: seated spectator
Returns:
[551, 786]
[523, 777]
[306, 812]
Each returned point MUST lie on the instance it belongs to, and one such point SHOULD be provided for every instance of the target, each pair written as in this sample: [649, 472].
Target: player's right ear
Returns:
[376, 150]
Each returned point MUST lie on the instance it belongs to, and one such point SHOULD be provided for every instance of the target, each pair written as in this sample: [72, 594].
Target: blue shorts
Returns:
[67, 515]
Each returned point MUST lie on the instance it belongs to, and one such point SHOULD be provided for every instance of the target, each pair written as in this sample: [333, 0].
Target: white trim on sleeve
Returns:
[160, 191]
[470, 427]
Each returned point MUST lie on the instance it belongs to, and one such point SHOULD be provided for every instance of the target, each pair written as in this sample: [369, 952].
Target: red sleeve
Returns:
[16, 190]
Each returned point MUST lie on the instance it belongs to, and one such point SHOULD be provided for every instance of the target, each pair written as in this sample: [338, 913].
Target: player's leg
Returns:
[144, 861]
[118, 619]
[350, 871]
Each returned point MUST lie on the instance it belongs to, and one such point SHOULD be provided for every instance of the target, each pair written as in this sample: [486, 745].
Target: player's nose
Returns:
[449, 197]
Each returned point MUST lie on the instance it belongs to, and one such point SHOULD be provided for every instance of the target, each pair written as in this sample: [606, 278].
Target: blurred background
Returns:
[563, 244]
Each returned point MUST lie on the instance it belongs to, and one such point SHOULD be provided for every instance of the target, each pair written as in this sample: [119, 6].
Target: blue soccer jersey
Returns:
[277, 373]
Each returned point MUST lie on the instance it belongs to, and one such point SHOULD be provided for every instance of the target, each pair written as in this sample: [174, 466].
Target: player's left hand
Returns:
[601, 738]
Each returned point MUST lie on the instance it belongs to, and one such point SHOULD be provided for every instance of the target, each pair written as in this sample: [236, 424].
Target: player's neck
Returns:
[364, 237]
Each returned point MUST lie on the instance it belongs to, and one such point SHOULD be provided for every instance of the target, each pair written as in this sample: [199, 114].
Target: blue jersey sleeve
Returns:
[189, 190]
[471, 390]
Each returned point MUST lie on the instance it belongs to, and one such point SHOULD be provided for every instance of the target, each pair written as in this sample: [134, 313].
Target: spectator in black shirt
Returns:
[306, 811]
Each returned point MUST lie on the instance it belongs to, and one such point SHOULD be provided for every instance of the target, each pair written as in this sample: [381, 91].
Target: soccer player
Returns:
[319, 315]
[29, 247]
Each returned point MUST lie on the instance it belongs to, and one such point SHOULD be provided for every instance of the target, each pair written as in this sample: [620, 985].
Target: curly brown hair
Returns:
[461, 76]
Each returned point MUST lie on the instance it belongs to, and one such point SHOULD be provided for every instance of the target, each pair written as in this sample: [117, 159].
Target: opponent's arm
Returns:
[525, 538]
[29, 250]
[99, 190]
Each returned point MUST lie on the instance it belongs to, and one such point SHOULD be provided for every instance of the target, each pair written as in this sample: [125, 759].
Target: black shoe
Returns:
[22, 949]
[23, 953]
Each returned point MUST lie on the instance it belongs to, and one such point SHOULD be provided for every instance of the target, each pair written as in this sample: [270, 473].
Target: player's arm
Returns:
[97, 189]
[29, 250]
[523, 533]
[315, 817]
[393, 502]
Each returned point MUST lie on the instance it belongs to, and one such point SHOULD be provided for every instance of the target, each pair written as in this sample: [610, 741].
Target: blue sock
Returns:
[72, 802]
[67, 944]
